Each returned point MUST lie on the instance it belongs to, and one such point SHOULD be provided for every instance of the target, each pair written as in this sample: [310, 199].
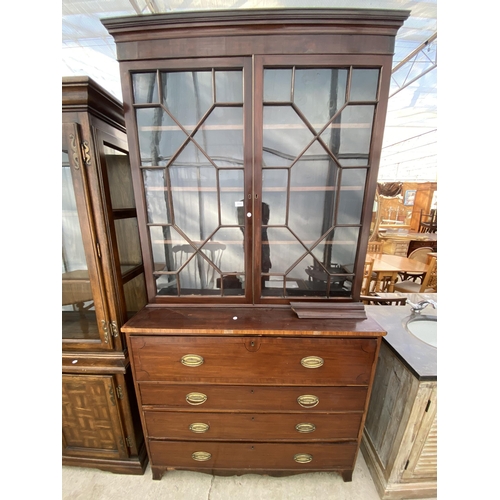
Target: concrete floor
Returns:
[92, 484]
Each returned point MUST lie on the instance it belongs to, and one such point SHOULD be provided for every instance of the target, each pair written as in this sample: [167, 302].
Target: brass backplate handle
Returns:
[308, 401]
[196, 398]
[199, 427]
[305, 427]
[201, 456]
[303, 458]
[192, 360]
[312, 362]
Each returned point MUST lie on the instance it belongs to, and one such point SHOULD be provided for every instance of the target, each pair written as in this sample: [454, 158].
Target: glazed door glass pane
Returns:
[317, 127]
[190, 131]
[119, 175]
[79, 320]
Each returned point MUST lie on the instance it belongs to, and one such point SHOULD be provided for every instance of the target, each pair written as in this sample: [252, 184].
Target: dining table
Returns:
[387, 268]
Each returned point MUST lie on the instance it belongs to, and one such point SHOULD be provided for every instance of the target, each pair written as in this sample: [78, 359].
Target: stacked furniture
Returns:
[258, 134]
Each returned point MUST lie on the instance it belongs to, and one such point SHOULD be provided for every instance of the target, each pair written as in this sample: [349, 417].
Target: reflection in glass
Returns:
[159, 136]
[194, 198]
[145, 88]
[79, 319]
[187, 95]
[199, 192]
[285, 136]
[277, 85]
[221, 136]
[351, 196]
[319, 94]
[274, 193]
[320, 204]
[355, 126]
[231, 183]
[157, 197]
[229, 86]
[364, 85]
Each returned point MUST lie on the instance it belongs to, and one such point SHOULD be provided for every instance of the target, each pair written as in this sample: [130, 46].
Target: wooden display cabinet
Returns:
[102, 283]
[255, 140]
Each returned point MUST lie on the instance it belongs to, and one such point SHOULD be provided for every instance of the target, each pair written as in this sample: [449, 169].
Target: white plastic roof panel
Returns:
[409, 151]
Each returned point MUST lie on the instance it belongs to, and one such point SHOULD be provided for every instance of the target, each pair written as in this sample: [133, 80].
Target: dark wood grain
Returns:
[253, 426]
[251, 397]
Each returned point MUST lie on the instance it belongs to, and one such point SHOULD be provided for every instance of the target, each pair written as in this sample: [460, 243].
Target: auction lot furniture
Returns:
[102, 284]
[256, 132]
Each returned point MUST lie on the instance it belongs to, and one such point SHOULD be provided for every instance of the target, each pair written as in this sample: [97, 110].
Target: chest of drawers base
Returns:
[268, 400]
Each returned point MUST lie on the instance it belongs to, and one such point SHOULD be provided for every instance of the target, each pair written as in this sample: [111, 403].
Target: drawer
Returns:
[255, 456]
[254, 398]
[266, 360]
[252, 426]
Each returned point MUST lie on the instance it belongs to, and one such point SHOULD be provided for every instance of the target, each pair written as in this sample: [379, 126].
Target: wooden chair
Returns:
[428, 285]
[428, 222]
[375, 246]
[373, 299]
[367, 277]
[420, 255]
[201, 270]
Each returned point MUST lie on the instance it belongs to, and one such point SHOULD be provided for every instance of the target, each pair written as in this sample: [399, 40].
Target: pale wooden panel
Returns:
[388, 412]
[422, 460]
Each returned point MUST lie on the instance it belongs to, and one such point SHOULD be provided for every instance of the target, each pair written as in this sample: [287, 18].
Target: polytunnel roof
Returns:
[409, 151]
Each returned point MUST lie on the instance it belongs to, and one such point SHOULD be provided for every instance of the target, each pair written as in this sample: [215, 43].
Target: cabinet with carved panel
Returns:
[102, 283]
[255, 139]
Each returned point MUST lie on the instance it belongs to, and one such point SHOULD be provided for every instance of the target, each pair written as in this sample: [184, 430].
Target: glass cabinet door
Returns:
[191, 137]
[315, 156]
[84, 314]
[255, 194]
[124, 234]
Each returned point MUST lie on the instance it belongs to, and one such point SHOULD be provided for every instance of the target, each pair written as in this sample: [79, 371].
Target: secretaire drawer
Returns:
[252, 426]
[253, 398]
[257, 456]
[254, 359]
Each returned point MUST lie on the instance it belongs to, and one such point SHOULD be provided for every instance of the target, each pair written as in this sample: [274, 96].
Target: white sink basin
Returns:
[424, 328]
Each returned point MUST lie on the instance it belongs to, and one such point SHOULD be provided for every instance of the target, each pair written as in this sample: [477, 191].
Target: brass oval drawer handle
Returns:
[305, 427]
[308, 401]
[196, 398]
[303, 458]
[199, 427]
[312, 362]
[201, 456]
[192, 360]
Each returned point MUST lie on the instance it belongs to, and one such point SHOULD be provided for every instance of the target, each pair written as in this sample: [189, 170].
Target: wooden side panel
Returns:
[388, 412]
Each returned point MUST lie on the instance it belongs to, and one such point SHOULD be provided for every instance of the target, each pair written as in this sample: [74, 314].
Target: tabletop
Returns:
[387, 262]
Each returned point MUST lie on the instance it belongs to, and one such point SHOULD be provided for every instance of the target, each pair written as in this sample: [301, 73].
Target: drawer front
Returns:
[265, 360]
[254, 398]
[252, 426]
[281, 456]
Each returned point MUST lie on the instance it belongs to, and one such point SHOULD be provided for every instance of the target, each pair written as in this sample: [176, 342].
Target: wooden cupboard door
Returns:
[422, 459]
[91, 421]
[85, 317]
